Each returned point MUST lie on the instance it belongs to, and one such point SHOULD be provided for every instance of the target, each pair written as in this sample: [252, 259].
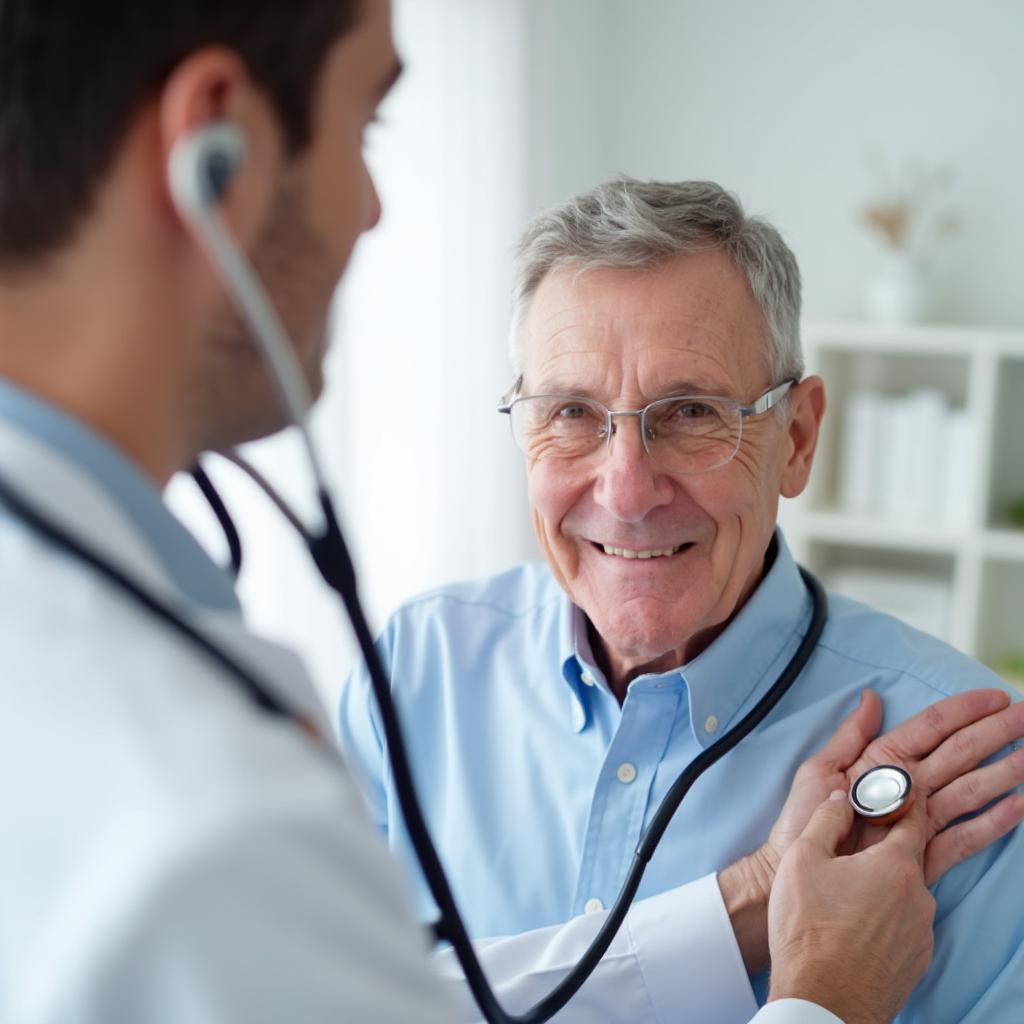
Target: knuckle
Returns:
[932, 720]
[964, 745]
[971, 788]
[965, 842]
[911, 877]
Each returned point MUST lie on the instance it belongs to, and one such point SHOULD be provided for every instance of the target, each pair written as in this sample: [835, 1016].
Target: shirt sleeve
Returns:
[286, 909]
[675, 951]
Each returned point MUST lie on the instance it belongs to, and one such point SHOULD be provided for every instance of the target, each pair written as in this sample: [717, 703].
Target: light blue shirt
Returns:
[536, 784]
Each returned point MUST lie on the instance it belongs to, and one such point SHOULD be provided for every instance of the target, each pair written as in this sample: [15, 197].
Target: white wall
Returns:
[428, 480]
[781, 101]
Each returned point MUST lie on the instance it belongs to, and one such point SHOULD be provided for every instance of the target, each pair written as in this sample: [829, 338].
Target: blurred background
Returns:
[885, 142]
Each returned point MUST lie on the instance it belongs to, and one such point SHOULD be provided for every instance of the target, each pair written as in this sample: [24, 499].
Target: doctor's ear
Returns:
[221, 141]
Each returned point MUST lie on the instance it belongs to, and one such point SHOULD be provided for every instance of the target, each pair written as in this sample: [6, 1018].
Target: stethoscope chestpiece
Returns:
[882, 795]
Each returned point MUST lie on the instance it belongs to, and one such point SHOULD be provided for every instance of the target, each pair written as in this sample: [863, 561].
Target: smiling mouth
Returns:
[608, 549]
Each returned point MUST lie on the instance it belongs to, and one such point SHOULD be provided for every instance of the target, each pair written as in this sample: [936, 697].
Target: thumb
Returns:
[830, 824]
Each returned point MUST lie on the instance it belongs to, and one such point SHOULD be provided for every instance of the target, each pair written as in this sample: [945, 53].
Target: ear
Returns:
[806, 408]
[213, 85]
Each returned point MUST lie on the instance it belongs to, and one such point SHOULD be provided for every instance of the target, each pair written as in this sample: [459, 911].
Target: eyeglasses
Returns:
[682, 433]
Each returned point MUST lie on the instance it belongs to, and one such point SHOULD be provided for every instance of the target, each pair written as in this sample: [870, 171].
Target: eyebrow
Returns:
[696, 387]
[554, 386]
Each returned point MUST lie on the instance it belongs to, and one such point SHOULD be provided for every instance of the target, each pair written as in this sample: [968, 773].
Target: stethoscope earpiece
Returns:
[202, 164]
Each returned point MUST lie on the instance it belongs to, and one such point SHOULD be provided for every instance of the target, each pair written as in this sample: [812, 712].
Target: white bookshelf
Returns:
[963, 545]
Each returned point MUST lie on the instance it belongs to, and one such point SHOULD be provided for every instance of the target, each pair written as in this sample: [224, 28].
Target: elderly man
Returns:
[661, 407]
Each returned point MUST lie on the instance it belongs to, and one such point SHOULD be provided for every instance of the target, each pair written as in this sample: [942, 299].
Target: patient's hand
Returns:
[942, 748]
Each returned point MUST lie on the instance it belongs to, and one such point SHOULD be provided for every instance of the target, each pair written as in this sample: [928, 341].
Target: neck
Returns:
[104, 348]
[621, 669]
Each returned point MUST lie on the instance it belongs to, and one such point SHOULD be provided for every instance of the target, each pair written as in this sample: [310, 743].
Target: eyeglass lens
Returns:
[684, 435]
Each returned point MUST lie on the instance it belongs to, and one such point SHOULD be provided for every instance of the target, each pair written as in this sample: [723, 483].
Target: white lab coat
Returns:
[172, 854]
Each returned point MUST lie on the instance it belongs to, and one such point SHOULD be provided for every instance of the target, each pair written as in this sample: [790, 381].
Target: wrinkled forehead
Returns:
[651, 333]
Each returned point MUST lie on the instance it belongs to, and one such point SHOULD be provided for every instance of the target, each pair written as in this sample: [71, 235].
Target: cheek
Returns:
[551, 492]
[743, 506]
[554, 492]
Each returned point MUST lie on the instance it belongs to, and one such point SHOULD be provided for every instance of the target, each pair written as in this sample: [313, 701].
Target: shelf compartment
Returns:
[1001, 614]
[1006, 480]
[838, 528]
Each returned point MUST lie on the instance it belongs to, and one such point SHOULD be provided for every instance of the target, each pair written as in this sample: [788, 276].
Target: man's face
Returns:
[325, 200]
[626, 338]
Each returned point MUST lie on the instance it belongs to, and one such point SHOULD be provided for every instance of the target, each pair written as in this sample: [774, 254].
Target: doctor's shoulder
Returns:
[195, 857]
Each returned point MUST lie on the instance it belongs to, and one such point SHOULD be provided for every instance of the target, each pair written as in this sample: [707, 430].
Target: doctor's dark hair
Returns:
[73, 73]
[627, 224]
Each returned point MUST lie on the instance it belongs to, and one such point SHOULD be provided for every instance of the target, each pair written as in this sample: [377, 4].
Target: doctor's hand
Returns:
[941, 747]
[851, 933]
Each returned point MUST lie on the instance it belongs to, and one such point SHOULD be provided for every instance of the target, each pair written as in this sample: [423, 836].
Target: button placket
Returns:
[619, 806]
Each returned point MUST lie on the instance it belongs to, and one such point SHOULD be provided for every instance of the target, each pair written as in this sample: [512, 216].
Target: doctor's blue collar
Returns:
[180, 556]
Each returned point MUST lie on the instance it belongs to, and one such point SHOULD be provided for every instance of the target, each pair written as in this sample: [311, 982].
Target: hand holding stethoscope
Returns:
[916, 761]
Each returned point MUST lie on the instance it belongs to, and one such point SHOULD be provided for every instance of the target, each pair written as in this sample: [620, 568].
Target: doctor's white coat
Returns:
[172, 854]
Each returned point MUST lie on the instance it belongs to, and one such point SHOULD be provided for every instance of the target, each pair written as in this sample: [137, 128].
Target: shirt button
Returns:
[592, 906]
[710, 724]
[626, 772]
[587, 678]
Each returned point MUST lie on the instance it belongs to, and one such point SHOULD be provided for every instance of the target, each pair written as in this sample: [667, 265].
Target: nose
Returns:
[628, 484]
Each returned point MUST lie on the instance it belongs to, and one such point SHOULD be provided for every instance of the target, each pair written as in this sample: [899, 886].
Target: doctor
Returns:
[172, 853]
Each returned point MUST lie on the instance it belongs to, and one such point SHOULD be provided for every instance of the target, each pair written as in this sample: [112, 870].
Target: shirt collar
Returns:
[184, 562]
[737, 668]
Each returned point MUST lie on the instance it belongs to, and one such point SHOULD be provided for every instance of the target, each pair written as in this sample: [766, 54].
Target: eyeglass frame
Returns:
[762, 404]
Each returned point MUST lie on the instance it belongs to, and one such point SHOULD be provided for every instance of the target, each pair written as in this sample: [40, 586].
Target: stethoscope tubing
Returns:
[330, 553]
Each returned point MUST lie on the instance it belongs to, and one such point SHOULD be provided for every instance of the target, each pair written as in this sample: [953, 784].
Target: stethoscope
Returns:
[200, 168]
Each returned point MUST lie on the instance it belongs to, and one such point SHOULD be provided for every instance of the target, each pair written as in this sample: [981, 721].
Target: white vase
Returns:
[898, 293]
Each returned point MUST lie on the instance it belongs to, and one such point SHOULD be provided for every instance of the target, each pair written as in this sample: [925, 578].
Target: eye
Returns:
[572, 412]
[691, 410]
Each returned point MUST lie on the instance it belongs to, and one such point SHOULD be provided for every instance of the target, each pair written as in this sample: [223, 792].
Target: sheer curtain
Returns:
[427, 479]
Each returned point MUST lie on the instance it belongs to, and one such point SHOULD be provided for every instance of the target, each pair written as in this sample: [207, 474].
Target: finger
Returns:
[830, 824]
[970, 746]
[855, 732]
[974, 790]
[919, 736]
[961, 841]
[909, 835]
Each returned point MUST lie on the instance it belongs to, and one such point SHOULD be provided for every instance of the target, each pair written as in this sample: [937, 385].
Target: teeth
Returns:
[649, 553]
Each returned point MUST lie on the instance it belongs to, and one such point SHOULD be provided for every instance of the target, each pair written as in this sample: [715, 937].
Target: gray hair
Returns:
[626, 223]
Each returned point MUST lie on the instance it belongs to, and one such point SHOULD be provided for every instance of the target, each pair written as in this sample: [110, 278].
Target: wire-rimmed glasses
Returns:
[682, 433]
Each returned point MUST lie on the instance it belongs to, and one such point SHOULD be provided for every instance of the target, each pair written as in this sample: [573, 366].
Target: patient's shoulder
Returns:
[886, 645]
[521, 591]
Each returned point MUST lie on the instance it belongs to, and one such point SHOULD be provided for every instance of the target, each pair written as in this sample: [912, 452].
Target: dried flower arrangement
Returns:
[910, 214]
